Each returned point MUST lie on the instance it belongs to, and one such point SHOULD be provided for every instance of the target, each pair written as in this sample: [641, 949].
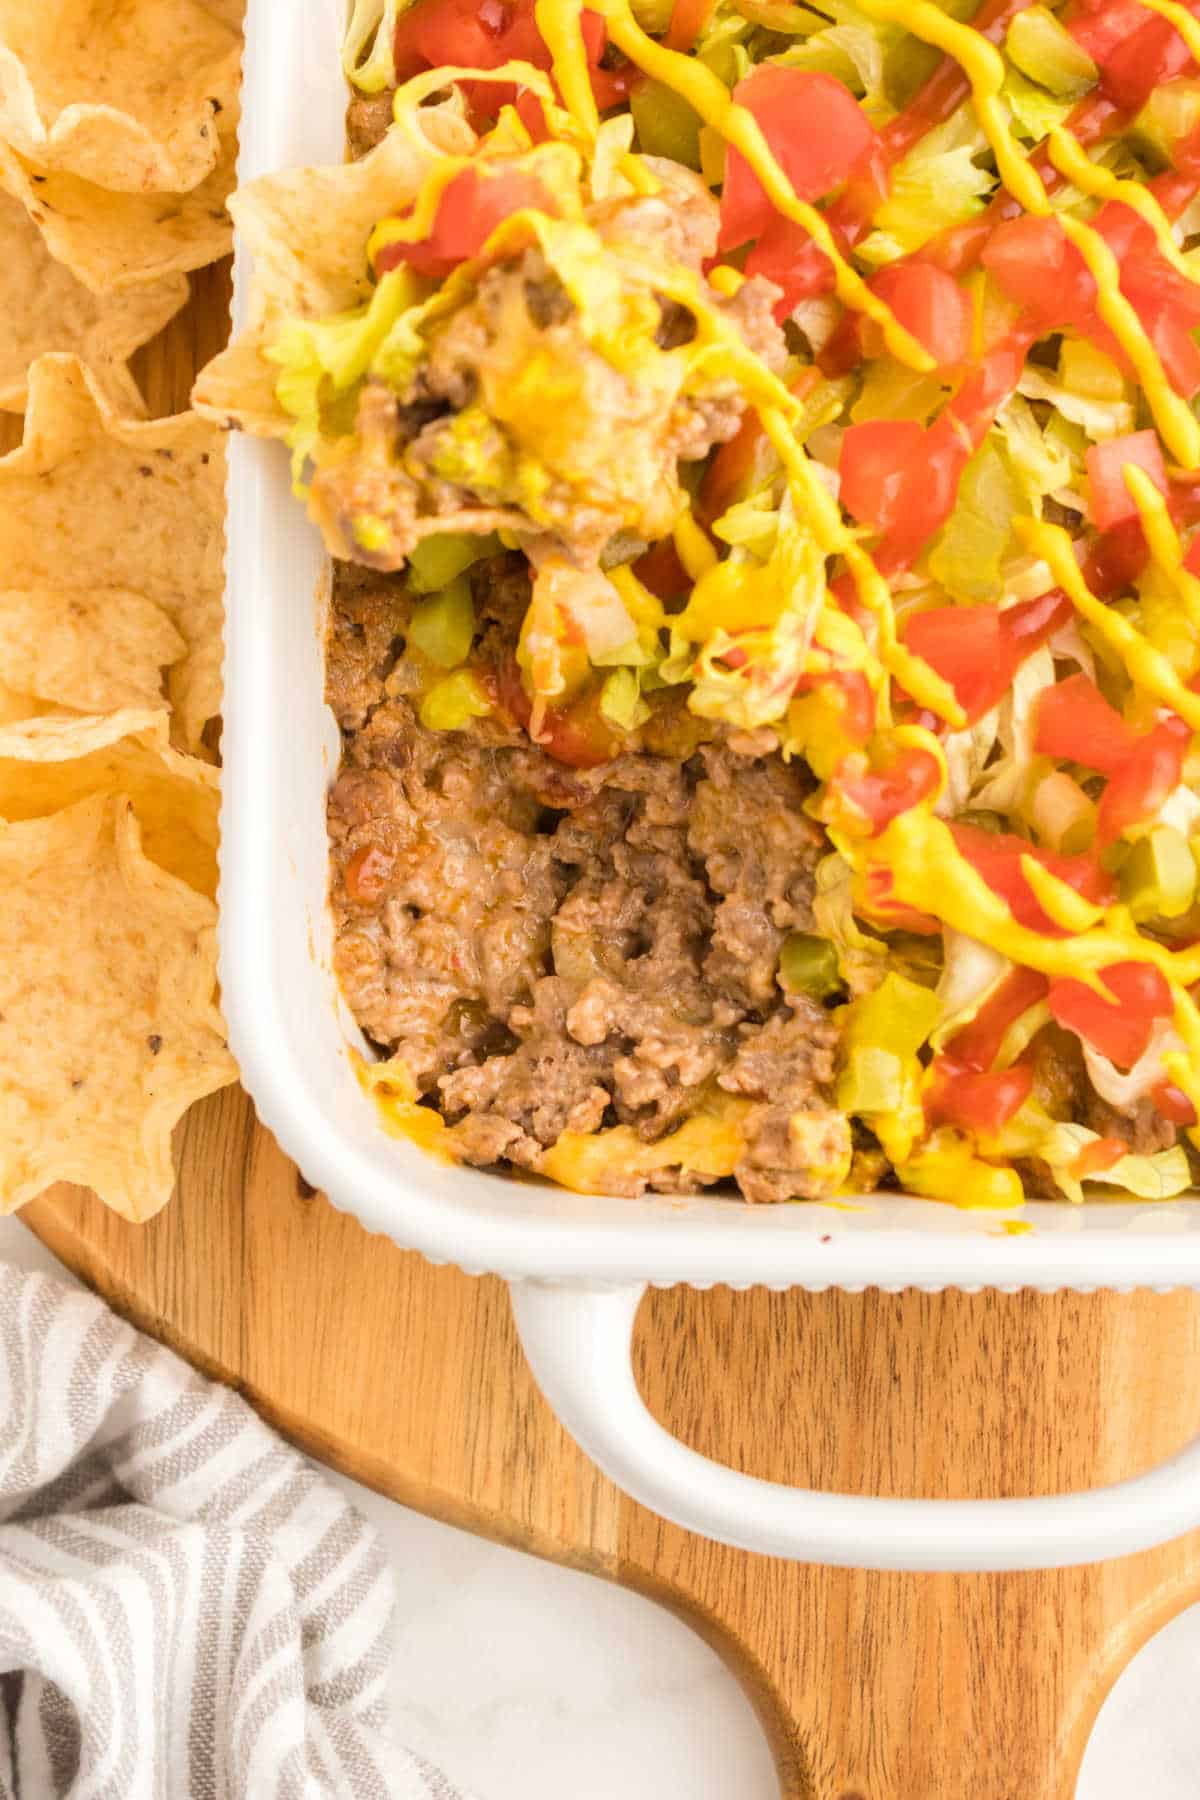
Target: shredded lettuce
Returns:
[966, 754]
[1040, 465]
[938, 184]
[971, 973]
[1031, 1133]
[621, 700]
[1098, 418]
[880, 1077]
[854, 54]
[761, 616]
[367, 50]
[861, 958]
[1123, 1088]
[320, 360]
[1006, 788]
[1033, 111]
[972, 545]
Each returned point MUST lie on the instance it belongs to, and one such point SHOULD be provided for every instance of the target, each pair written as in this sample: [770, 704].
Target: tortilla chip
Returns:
[232, 13]
[91, 649]
[113, 241]
[52, 762]
[43, 307]
[109, 1028]
[308, 231]
[90, 500]
[122, 93]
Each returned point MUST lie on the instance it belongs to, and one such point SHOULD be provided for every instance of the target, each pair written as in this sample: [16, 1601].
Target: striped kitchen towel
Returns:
[188, 1610]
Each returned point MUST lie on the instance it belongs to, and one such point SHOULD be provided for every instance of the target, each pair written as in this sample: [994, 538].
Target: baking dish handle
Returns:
[579, 1344]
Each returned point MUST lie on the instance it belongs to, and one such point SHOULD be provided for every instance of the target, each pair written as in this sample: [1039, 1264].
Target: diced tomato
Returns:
[688, 19]
[785, 254]
[977, 1045]
[1171, 335]
[1148, 775]
[996, 856]
[1075, 723]
[662, 572]
[880, 795]
[1039, 268]
[471, 207]
[1173, 1104]
[1098, 29]
[1116, 558]
[931, 305]
[484, 34]
[880, 463]
[578, 735]
[1166, 302]
[816, 131]
[1097, 1156]
[979, 649]
[927, 301]
[902, 478]
[979, 1103]
[1140, 61]
[1121, 1028]
[1111, 502]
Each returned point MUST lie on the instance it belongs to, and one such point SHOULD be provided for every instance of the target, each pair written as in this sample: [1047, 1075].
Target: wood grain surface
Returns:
[872, 1687]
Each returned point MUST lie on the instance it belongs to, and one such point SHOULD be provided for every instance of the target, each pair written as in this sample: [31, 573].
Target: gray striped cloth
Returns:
[188, 1610]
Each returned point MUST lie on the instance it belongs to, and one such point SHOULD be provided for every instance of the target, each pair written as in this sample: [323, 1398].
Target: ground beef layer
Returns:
[553, 949]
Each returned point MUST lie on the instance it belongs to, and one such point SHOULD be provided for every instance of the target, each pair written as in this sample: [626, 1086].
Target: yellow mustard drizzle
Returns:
[560, 23]
[1058, 899]
[916, 842]
[984, 68]
[1148, 667]
[710, 98]
[1163, 541]
[693, 546]
[1073, 162]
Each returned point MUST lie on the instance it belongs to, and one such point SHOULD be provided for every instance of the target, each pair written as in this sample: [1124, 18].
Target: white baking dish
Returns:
[579, 1265]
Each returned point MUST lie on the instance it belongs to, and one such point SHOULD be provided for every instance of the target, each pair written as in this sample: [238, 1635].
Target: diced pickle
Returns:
[808, 965]
[436, 560]
[872, 1081]
[1089, 372]
[443, 626]
[1044, 50]
[1158, 877]
[666, 124]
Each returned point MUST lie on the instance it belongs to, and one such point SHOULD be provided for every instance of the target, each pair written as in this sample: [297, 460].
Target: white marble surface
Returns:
[528, 1682]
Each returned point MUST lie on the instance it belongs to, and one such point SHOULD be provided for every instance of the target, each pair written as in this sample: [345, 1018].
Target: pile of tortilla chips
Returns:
[117, 138]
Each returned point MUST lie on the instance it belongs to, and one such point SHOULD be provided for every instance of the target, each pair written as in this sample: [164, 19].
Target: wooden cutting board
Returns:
[871, 1687]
